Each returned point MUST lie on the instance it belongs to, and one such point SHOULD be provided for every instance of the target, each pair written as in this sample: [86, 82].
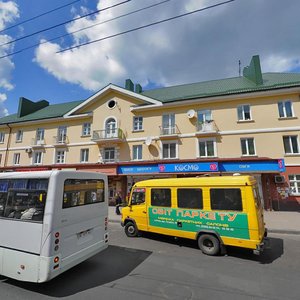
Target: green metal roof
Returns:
[223, 87]
[51, 111]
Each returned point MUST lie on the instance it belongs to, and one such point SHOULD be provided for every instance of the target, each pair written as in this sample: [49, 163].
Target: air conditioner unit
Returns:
[28, 150]
[279, 179]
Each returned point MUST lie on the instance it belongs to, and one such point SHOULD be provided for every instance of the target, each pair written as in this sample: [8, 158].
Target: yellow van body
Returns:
[216, 211]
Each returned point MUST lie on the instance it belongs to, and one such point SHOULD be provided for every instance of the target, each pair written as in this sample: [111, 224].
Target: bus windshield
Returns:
[23, 199]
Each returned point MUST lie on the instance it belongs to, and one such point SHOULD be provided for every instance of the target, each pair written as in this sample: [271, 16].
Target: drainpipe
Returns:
[7, 146]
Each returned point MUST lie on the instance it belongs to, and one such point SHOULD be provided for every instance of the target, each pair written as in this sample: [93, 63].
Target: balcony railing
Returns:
[168, 131]
[111, 134]
[60, 140]
[37, 142]
[207, 127]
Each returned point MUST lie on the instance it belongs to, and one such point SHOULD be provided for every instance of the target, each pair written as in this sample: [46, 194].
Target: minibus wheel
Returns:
[131, 230]
[209, 244]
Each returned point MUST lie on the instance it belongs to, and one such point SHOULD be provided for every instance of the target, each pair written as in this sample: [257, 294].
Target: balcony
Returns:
[37, 143]
[207, 128]
[60, 141]
[112, 135]
[168, 132]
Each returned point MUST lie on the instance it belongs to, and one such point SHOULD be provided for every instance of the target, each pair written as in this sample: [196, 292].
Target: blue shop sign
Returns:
[253, 166]
[189, 167]
[143, 169]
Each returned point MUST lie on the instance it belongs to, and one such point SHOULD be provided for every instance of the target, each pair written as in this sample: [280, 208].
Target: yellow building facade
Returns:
[249, 124]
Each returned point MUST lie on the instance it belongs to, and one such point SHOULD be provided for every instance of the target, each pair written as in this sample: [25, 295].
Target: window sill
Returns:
[140, 130]
[245, 121]
[291, 154]
[287, 118]
[254, 155]
[86, 135]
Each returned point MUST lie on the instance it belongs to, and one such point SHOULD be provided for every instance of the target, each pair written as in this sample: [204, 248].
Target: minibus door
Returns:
[138, 208]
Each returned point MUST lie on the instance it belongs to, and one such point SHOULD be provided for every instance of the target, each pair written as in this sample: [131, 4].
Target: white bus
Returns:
[50, 221]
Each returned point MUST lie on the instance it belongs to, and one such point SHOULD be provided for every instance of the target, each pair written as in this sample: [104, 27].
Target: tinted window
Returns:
[189, 198]
[79, 192]
[226, 199]
[138, 196]
[161, 197]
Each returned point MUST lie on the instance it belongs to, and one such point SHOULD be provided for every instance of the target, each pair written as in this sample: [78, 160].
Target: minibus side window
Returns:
[189, 198]
[138, 196]
[161, 197]
[226, 199]
[257, 197]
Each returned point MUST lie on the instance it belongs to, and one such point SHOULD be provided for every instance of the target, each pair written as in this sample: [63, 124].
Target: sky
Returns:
[201, 46]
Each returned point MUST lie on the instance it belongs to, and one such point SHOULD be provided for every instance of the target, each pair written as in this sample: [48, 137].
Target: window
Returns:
[86, 129]
[19, 136]
[0, 158]
[111, 128]
[62, 134]
[285, 109]
[244, 113]
[23, 199]
[161, 197]
[2, 136]
[169, 150]
[84, 155]
[291, 145]
[109, 154]
[37, 157]
[226, 199]
[40, 134]
[248, 147]
[137, 152]
[168, 124]
[189, 198]
[138, 196]
[137, 123]
[295, 184]
[78, 192]
[206, 148]
[60, 156]
[16, 159]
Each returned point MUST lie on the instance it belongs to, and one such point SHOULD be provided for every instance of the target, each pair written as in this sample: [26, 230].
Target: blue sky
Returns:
[203, 46]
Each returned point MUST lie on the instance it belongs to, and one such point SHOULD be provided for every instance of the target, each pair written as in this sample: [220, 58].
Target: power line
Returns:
[145, 26]
[82, 29]
[66, 22]
[38, 16]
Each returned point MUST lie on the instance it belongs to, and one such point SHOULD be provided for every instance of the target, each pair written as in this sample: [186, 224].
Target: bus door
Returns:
[84, 217]
[138, 208]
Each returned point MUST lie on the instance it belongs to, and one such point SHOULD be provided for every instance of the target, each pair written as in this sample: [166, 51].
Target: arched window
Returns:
[111, 128]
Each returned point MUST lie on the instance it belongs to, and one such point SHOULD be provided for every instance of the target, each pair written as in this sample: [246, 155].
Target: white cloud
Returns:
[8, 13]
[202, 46]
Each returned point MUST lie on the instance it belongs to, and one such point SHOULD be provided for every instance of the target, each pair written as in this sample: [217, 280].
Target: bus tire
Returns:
[209, 244]
[131, 230]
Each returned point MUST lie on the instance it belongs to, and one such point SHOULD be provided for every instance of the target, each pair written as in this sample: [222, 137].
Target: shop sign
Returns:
[142, 169]
[253, 166]
[188, 167]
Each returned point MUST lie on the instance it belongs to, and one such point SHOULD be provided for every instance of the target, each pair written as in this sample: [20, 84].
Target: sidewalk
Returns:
[276, 222]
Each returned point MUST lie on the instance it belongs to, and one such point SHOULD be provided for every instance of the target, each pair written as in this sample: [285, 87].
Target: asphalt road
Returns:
[155, 267]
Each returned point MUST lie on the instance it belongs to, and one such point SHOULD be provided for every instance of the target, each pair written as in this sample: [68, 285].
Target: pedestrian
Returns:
[118, 203]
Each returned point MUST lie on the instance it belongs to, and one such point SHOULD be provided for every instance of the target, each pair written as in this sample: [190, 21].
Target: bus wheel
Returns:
[209, 244]
[131, 230]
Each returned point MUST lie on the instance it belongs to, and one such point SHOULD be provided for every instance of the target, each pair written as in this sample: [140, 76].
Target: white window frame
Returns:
[16, 158]
[169, 143]
[241, 113]
[110, 150]
[62, 134]
[86, 129]
[168, 123]
[59, 156]
[294, 184]
[247, 146]
[39, 155]
[137, 152]
[291, 144]
[2, 137]
[138, 122]
[19, 136]
[84, 155]
[40, 134]
[205, 141]
[284, 109]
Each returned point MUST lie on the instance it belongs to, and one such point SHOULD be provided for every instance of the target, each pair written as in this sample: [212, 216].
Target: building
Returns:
[247, 124]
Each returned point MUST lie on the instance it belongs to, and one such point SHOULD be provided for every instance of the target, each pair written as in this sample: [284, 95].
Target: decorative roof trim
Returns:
[117, 89]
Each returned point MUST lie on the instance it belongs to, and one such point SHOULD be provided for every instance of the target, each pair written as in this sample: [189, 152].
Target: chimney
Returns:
[138, 88]
[27, 107]
[129, 85]
[253, 71]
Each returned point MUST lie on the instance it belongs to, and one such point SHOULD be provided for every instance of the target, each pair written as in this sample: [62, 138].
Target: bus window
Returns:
[78, 192]
[226, 199]
[189, 198]
[161, 197]
[138, 196]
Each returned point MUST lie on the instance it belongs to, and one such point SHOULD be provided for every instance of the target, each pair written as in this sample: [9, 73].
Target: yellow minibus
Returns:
[215, 211]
